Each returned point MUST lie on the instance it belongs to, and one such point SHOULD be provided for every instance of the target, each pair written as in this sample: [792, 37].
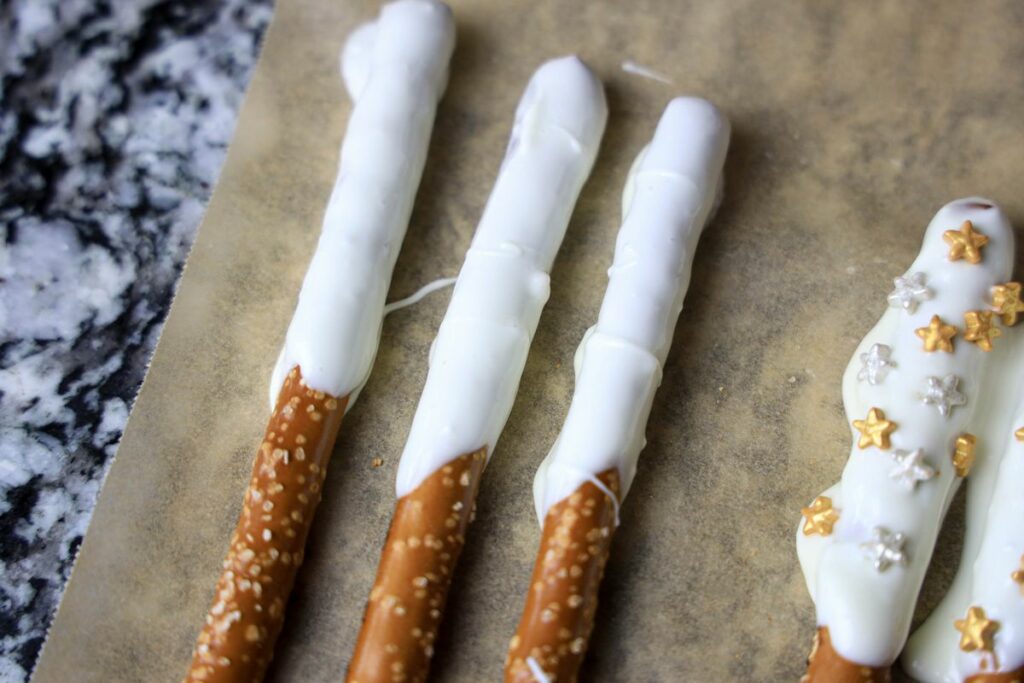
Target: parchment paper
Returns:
[853, 123]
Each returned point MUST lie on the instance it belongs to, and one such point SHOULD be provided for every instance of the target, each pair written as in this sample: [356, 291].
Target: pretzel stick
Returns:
[333, 335]
[475, 365]
[562, 599]
[912, 392]
[667, 201]
[404, 611]
[266, 548]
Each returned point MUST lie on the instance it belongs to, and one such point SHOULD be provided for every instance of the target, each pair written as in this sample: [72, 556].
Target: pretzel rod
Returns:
[333, 335]
[405, 607]
[986, 597]
[668, 199]
[912, 390]
[475, 365]
[266, 548]
[562, 599]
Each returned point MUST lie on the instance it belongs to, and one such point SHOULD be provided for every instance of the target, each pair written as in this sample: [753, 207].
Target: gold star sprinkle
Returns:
[820, 517]
[875, 430]
[963, 454]
[965, 243]
[1007, 303]
[1019, 434]
[1018, 575]
[976, 632]
[980, 330]
[937, 336]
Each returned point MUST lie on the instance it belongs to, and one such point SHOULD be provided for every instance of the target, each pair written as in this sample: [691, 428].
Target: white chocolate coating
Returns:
[994, 541]
[480, 351]
[868, 612]
[399, 79]
[357, 57]
[668, 199]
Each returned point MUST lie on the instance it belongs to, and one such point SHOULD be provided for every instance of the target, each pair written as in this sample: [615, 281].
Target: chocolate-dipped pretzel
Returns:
[668, 199]
[933, 394]
[475, 365]
[396, 78]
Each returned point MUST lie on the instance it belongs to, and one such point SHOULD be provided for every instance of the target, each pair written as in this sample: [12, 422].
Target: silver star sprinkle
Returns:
[886, 549]
[910, 290]
[911, 468]
[943, 394]
[877, 363]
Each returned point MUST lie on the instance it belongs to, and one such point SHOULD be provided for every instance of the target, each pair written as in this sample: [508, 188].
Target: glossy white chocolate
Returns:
[868, 612]
[399, 73]
[994, 542]
[669, 197]
[480, 351]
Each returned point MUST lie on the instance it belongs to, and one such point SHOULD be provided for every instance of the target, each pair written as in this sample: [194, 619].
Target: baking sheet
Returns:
[853, 123]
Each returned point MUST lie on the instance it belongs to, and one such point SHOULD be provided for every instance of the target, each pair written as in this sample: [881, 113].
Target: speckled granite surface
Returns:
[114, 119]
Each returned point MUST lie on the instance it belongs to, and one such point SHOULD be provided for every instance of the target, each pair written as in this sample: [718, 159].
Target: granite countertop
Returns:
[114, 120]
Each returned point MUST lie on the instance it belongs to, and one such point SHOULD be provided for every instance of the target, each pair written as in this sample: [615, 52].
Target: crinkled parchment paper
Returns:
[853, 123]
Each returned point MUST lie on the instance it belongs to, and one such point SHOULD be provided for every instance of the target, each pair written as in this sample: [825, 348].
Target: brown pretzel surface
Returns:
[562, 599]
[266, 550]
[427, 533]
[825, 665]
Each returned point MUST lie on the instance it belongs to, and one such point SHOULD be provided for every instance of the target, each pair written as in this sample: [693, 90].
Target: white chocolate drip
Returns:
[631, 67]
[478, 356]
[400, 71]
[994, 541]
[668, 199]
[411, 300]
[538, 673]
[419, 295]
[598, 484]
[868, 612]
